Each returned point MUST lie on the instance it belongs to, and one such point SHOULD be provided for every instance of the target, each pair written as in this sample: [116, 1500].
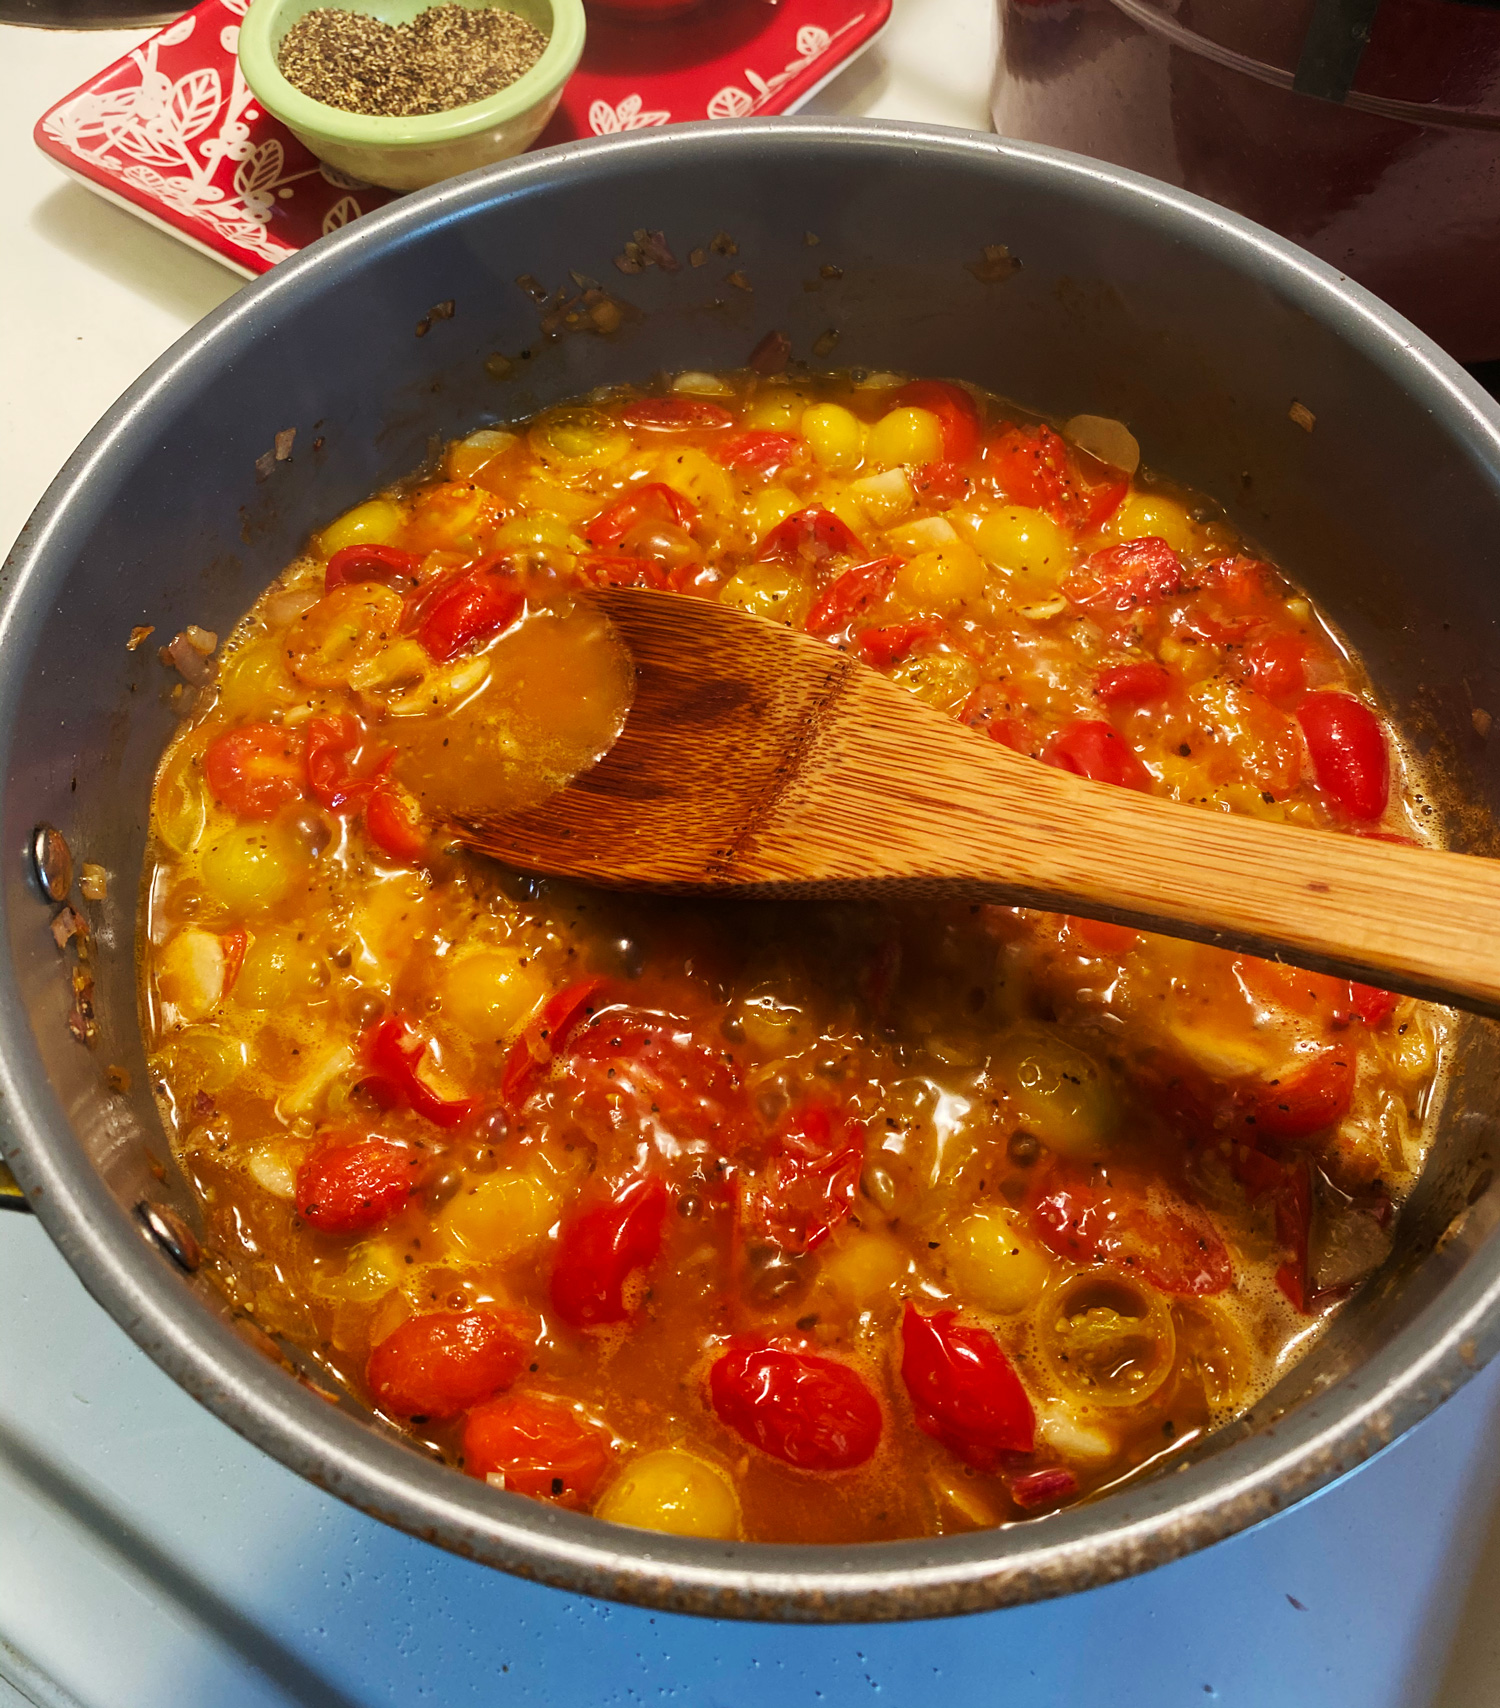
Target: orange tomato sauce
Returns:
[785, 1222]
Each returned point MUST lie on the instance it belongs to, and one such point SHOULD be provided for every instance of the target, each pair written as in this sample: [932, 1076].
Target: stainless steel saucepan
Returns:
[1068, 285]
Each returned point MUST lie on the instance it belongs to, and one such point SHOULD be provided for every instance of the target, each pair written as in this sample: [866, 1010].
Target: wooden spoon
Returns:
[756, 762]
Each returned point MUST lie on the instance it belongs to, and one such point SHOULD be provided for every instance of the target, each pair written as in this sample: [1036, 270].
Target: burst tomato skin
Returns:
[475, 607]
[674, 414]
[964, 1390]
[541, 1447]
[370, 563]
[532, 1053]
[808, 1185]
[1090, 1215]
[1276, 667]
[1042, 1488]
[1094, 749]
[600, 1246]
[811, 535]
[1123, 578]
[1308, 1101]
[886, 646]
[1140, 684]
[395, 1049]
[1350, 759]
[256, 769]
[639, 1065]
[353, 1182]
[654, 501]
[1372, 1005]
[330, 775]
[851, 593]
[443, 1362]
[801, 1408]
[941, 483]
[764, 452]
[957, 414]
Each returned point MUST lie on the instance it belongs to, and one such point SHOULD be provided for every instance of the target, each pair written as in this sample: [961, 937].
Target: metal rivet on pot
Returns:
[171, 1233]
[51, 862]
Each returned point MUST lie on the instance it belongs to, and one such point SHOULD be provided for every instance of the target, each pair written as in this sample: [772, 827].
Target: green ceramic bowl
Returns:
[408, 154]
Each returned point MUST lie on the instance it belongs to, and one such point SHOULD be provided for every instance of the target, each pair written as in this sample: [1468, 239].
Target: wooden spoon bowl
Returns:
[758, 762]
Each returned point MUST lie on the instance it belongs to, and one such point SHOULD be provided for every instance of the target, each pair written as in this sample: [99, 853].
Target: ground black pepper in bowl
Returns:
[445, 57]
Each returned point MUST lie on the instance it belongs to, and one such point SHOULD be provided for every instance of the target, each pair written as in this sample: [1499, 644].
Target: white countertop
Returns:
[151, 1559]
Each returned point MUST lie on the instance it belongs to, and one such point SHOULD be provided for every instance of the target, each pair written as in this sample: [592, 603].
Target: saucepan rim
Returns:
[1140, 1526]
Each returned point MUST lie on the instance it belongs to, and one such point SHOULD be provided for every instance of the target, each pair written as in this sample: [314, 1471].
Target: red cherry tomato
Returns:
[854, 591]
[540, 1446]
[886, 646]
[674, 415]
[1034, 1489]
[616, 569]
[1099, 937]
[1121, 578]
[531, 1054]
[1371, 1005]
[941, 484]
[601, 1246]
[808, 1411]
[394, 824]
[330, 741]
[370, 563]
[810, 535]
[353, 1182]
[963, 1388]
[808, 1184]
[634, 1065]
[256, 769]
[395, 1049]
[1306, 1102]
[654, 502]
[955, 409]
[478, 605]
[441, 1363]
[765, 453]
[1276, 667]
[1096, 750]
[234, 943]
[1030, 466]
[1140, 684]
[1294, 1231]
[1111, 1215]
[1348, 751]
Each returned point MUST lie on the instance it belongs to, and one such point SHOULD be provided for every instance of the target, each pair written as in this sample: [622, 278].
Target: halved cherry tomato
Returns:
[1034, 1489]
[766, 453]
[394, 823]
[637, 1065]
[471, 609]
[616, 569]
[370, 563]
[443, 1362]
[1094, 749]
[805, 1410]
[1349, 755]
[964, 1390]
[256, 769]
[1121, 578]
[654, 501]
[956, 410]
[942, 483]
[330, 741]
[354, 1181]
[886, 646]
[1276, 667]
[1112, 1215]
[810, 535]
[395, 1049]
[674, 414]
[541, 1447]
[532, 1053]
[1140, 684]
[600, 1246]
[856, 589]
[808, 1184]
[1305, 1102]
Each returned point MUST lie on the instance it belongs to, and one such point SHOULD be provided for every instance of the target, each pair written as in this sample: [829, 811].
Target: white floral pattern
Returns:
[813, 43]
[605, 120]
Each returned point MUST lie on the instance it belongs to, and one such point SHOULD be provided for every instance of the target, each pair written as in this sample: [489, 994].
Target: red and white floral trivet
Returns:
[173, 133]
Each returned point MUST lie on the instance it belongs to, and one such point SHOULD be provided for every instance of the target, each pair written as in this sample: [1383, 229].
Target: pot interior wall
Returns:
[1377, 510]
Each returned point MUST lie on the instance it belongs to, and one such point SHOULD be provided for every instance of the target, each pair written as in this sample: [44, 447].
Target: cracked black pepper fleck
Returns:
[445, 57]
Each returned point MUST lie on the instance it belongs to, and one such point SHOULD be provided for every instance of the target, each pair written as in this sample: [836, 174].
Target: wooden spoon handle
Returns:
[939, 809]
